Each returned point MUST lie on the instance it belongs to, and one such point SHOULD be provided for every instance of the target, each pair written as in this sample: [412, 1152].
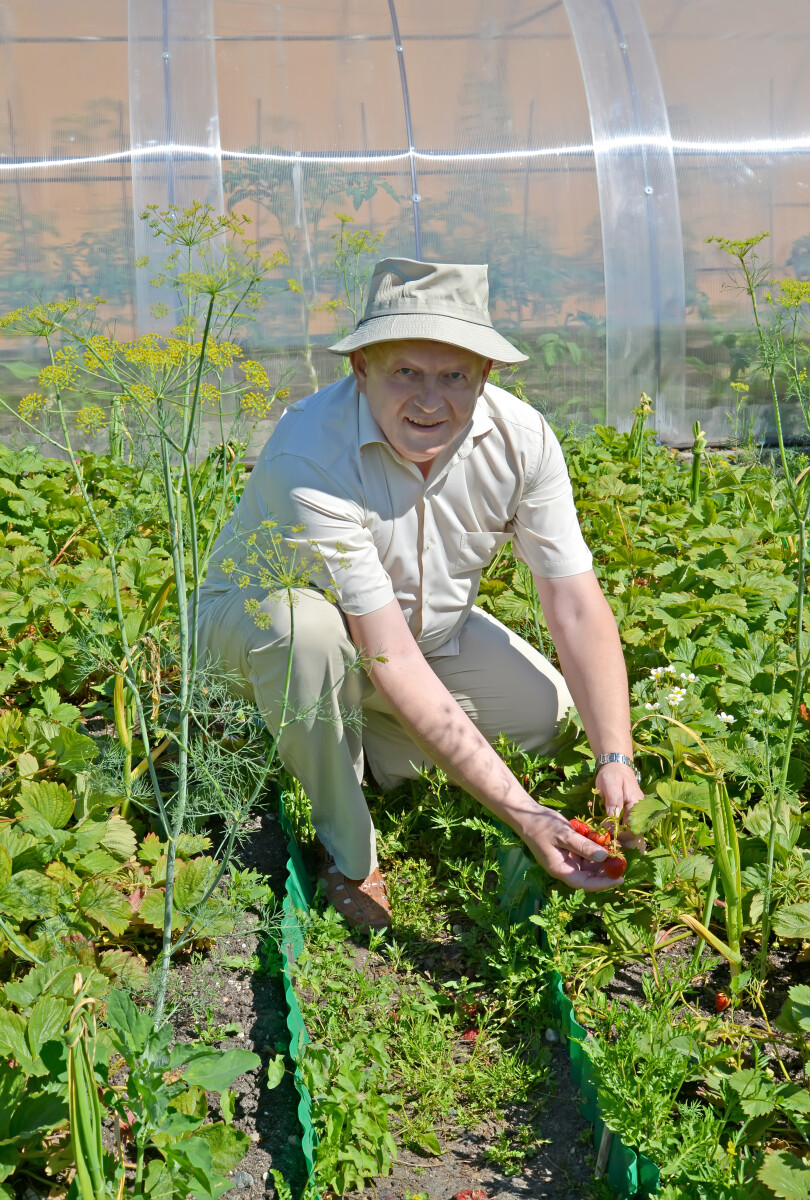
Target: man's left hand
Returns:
[616, 783]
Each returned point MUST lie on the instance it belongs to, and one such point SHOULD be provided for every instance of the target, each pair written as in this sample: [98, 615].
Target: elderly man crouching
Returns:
[395, 487]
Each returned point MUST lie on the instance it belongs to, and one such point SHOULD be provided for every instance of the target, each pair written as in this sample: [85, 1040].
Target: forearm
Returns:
[587, 641]
[593, 665]
[439, 726]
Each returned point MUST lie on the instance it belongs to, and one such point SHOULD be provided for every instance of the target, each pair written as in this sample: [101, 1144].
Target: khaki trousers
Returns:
[335, 714]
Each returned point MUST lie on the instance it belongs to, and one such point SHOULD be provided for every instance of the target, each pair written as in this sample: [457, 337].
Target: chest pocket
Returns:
[477, 550]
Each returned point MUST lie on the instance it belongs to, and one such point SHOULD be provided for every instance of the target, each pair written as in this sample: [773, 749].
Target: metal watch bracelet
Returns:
[614, 756]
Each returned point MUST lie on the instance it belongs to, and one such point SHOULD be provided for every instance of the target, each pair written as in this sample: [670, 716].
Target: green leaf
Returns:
[97, 862]
[696, 866]
[647, 813]
[47, 1018]
[151, 848]
[787, 1176]
[29, 896]
[792, 921]
[51, 801]
[125, 968]
[5, 867]
[227, 1102]
[228, 1146]
[130, 1026]
[795, 1014]
[275, 1071]
[191, 881]
[427, 1143]
[152, 908]
[684, 792]
[218, 1068]
[36, 1114]
[158, 1180]
[193, 1156]
[74, 751]
[120, 838]
[12, 1036]
[27, 765]
[102, 902]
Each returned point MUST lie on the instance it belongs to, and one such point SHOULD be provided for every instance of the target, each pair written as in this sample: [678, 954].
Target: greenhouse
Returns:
[404, 698]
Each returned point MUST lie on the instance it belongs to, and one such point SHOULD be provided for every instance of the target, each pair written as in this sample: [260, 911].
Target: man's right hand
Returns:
[422, 704]
[564, 854]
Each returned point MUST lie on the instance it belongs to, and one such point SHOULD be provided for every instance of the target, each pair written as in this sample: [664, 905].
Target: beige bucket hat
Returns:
[436, 302]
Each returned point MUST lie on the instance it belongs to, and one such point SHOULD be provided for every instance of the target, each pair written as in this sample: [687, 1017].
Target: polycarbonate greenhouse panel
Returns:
[585, 149]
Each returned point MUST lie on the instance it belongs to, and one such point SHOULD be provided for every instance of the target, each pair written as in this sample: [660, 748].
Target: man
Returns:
[393, 489]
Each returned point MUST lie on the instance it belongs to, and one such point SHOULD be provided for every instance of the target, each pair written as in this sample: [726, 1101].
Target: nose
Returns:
[429, 399]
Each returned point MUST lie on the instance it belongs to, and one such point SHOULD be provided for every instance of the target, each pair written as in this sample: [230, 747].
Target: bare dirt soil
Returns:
[561, 1169]
[255, 1003]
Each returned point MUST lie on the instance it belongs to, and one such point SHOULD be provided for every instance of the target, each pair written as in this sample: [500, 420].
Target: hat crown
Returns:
[403, 286]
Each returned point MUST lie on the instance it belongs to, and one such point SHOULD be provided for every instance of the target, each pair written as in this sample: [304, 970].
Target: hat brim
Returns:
[427, 327]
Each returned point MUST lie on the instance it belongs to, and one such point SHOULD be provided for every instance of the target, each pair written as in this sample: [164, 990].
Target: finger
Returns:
[585, 848]
[589, 881]
[632, 841]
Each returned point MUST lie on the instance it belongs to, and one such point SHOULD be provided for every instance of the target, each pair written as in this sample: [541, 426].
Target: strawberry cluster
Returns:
[615, 864]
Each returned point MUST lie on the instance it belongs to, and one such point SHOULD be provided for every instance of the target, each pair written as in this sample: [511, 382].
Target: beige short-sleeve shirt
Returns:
[373, 529]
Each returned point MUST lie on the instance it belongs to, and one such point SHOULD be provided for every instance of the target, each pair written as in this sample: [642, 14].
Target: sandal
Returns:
[363, 902]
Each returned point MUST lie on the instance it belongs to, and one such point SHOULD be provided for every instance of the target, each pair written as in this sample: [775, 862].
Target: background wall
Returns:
[584, 148]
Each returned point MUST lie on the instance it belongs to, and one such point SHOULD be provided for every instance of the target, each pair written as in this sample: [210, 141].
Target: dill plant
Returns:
[153, 392]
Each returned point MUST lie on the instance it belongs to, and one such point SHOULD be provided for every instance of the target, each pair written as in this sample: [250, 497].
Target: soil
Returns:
[786, 968]
[256, 1003]
[561, 1169]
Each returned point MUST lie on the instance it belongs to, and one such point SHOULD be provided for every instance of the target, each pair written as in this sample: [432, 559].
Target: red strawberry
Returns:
[721, 1002]
[615, 866]
[580, 827]
[601, 839]
[471, 1194]
[470, 1035]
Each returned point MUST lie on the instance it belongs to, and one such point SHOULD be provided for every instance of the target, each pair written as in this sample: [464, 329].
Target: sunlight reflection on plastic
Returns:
[605, 146]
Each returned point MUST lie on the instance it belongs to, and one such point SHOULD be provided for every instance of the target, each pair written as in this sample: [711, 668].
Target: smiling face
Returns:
[421, 394]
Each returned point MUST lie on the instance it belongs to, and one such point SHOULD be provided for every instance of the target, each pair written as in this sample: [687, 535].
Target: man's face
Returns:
[421, 394]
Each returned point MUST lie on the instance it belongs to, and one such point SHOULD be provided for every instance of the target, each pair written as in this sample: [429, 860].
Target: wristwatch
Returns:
[603, 759]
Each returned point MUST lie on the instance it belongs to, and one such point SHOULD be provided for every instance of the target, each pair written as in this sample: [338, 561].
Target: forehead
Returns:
[428, 356]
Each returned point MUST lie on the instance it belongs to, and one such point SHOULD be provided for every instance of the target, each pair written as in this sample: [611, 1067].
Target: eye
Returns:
[406, 371]
[455, 376]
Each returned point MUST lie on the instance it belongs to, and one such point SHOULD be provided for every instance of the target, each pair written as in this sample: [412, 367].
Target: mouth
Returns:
[423, 424]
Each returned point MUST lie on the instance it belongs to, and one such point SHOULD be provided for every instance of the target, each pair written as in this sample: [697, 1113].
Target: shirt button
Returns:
[427, 545]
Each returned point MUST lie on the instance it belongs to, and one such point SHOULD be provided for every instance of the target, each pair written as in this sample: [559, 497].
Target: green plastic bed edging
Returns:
[629, 1173]
[297, 899]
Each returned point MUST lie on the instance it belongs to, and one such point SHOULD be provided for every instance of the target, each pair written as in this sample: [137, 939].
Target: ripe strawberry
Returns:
[471, 1194]
[721, 1002]
[580, 827]
[601, 839]
[470, 1035]
[615, 866]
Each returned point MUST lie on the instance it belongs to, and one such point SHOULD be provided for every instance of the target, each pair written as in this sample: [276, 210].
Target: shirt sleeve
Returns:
[325, 542]
[545, 529]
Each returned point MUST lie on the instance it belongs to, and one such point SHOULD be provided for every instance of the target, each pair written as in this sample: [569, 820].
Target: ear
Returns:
[359, 361]
[485, 375]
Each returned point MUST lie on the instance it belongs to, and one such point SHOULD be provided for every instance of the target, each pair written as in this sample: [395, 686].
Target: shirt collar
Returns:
[367, 428]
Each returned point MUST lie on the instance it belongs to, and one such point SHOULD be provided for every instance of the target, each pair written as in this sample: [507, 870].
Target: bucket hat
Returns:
[435, 302]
